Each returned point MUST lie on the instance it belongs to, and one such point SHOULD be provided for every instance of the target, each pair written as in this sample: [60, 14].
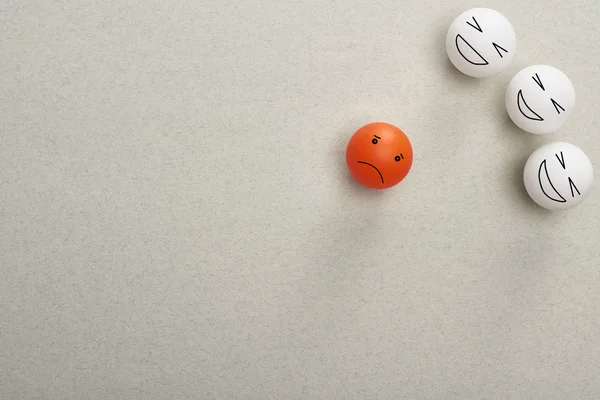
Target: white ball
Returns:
[539, 99]
[480, 42]
[558, 176]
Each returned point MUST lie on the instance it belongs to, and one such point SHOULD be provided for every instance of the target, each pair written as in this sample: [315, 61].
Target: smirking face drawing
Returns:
[480, 42]
[558, 176]
[539, 99]
[379, 155]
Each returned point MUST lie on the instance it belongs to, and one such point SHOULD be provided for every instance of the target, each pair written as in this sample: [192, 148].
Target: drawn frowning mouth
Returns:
[363, 162]
[476, 58]
[525, 109]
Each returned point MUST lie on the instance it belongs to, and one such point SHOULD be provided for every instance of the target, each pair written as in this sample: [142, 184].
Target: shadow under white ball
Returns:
[480, 42]
[539, 99]
[558, 176]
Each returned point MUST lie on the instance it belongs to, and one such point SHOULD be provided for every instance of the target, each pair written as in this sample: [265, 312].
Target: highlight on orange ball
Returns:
[379, 155]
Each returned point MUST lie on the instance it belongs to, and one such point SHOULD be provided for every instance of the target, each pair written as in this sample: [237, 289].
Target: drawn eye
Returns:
[398, 158]
[539, 82]
[557, 106]
[476, 26]
[374, 141]
[498, 48]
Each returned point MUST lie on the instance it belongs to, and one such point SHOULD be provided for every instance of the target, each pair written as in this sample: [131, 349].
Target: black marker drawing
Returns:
[572, 186]
[545, 173]
[526, 110]
[476, 26]
[557, 106]
[498, 48]
[539, 82]
[523, 107]
[561, 160]
[458, 41]
[381, 176]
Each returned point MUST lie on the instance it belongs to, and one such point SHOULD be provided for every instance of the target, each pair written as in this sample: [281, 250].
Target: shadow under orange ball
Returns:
[379, 155]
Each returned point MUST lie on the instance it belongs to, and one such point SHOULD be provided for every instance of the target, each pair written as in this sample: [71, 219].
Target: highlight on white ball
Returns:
[539, 99]
[558, 176]
[481, 42]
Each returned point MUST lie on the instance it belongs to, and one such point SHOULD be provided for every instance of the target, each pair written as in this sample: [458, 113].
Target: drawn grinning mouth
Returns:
[553, 195]
[525, 109]
[381, 176]
[478, 58]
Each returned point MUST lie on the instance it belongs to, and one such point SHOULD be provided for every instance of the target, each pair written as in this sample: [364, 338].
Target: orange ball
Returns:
[379, 155]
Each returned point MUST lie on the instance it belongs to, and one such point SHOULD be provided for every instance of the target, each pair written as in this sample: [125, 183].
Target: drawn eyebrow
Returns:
[476, 26]
[538, 81]
[377, 136]
[557, 106]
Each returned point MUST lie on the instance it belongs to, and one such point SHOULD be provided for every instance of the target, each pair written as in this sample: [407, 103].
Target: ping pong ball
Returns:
[558, 176]
[481, 42]
[539, 99]
[379, 155]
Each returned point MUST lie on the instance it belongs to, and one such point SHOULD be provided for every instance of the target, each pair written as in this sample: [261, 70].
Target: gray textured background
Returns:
[177, 221]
